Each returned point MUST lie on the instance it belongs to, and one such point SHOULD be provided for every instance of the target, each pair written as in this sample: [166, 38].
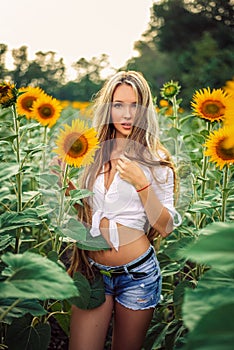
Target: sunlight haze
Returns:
[75, 28]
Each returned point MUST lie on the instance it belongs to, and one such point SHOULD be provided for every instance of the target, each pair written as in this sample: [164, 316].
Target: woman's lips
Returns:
[126, 125]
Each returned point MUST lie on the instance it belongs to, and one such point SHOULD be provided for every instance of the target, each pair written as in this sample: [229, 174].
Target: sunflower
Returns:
[220, 146]
[163, 103]
[27, 96]
[76, 144]
[213, 105]
[229, 87]
[8, 94]
[46, 110]
[170, 89]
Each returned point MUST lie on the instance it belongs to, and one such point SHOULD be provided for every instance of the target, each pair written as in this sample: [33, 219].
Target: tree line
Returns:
[190, 41]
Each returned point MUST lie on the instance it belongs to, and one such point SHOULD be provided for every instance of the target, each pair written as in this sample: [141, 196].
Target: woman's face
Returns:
[123, 110]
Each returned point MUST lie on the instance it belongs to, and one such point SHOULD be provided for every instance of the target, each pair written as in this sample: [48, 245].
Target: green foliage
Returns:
[23, 334]
[196, 260]
[36, 237]
[194, 49]
[32, 276]
[207, 310]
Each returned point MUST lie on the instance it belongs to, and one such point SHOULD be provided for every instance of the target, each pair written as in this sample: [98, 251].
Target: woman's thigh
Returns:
[130, 327]
[88, 328]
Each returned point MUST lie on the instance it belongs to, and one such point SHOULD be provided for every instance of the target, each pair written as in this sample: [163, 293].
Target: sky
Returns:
[75, 28]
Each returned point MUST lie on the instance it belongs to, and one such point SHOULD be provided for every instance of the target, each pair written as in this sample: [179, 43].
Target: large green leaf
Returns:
[47, 180]
[8, 170]
[214, 246]
[91, 293]
[97, 292]
[178, 297]
[20, 309]
[84, 291]
[92, 243]
[215, 331]
[174, 249]
[32, 276]
[75, 230]
[12, 220]
[76, 195]
[22, 335]
[213, 289]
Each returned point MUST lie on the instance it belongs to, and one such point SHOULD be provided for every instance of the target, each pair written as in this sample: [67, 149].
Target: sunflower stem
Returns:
[176, 124]
[224, 193]
[204, 167]
[44, 149]
[18, 175]
[61, 206]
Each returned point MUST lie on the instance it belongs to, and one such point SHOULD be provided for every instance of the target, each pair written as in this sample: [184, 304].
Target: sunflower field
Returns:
[45, 143]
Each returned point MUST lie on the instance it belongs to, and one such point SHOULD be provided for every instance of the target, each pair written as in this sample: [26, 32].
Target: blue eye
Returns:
[117, 105]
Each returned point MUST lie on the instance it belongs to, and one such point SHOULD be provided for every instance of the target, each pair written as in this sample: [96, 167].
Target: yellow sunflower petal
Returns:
[46, 110]
[229, 87]
[77, 144]
[213, 105]
[28, 95]
[220, 147]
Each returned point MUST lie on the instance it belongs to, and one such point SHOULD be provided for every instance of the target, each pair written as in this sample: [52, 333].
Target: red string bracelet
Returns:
[143, 188]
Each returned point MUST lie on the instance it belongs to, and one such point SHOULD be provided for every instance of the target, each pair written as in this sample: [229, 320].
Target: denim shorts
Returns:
[137, 288]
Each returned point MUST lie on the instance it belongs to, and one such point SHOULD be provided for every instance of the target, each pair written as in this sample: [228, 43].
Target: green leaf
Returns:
[91, 293]
[23, 335]
[23, 307]
[213, 289]
[214, 246]
[8, 170]
[11, 220]
[5, 241]
[203, 207]
[75, 230]
[83, 291]
[33, 276]
[97, 291]
[9, 138]
[76, 195]
[175, 250]
[92, 243]
[178, 297]
[62, 318]
[30, 126]
[215, 330]
[34, 149]
[74, 172]
[47, 180]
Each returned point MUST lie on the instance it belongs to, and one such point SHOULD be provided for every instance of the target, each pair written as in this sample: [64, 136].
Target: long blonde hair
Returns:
[144, 144]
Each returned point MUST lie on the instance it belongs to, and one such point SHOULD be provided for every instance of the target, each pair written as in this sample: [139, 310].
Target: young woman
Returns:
[132, 179]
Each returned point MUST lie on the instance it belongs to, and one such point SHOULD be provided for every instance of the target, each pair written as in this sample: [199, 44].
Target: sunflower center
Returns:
[224, 151]
[213, 109]
[46, 111]
[76, 146]
[27, 102]
[4, 91]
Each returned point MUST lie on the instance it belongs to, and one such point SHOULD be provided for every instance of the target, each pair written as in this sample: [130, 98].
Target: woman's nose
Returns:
[127, 112]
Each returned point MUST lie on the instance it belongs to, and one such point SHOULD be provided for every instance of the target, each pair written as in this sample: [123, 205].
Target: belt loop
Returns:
[126, 269]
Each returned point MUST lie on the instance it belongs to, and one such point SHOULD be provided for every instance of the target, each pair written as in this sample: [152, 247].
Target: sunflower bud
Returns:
[170, 89]
[8, 94]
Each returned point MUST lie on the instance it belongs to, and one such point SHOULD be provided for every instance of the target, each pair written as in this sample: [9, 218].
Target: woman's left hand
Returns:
[131, 172]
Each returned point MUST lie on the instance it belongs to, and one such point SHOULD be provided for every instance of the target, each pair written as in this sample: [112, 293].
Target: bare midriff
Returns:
[132, 244]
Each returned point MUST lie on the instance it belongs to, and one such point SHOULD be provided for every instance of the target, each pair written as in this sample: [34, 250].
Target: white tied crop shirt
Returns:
[122, 204]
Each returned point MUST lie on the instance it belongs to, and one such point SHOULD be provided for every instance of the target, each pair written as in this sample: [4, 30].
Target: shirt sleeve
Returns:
[163, 186]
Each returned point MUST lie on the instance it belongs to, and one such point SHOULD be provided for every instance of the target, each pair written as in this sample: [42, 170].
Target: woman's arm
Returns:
[158, 215]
